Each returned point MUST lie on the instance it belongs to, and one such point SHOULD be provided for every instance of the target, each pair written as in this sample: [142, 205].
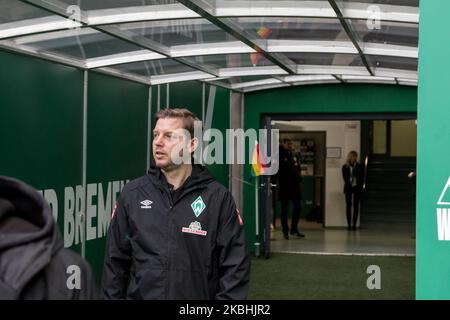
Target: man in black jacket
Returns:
[175, 232]
[33, 262]
[289, 179]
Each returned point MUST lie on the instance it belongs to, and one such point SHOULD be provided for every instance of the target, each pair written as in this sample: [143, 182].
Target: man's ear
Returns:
[193, 145]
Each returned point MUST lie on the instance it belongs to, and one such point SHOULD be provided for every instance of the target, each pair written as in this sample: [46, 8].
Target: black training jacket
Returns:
[190, 248]
[33, 261]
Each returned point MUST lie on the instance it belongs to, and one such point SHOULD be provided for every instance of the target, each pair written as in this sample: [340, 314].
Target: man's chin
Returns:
[162, 164]
[166, 166]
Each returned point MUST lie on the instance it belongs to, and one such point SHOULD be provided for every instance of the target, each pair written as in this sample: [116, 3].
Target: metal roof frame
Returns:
[283, 72]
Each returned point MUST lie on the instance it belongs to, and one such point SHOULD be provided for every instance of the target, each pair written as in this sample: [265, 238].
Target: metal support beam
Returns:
[201, 7]
[271, 49]
[223, 9]
[83, 215]
[338, 78]
[351, 34]
[218, 83]
[8, 45]
[59, 8]
[149, 126]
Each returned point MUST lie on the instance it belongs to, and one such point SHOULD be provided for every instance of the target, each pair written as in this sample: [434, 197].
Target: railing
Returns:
[366, 163]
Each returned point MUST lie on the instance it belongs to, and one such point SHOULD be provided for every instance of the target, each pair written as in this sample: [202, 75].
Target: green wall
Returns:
[41, 130]
[319, 99]
[433, 255]
[41, 124]
[221, 121]
[116, 147]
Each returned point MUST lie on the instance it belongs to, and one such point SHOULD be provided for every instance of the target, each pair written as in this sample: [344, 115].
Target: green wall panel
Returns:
[319, 99]
[41, 124]
[433, 253]
[221, 121]
[187, 95]
[116, 151]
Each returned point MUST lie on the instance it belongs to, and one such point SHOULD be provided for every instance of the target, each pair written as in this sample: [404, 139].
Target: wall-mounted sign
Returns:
[334, 153]
[333, 163]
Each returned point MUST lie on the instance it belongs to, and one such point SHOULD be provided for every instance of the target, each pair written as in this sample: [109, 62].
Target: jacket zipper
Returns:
[171, 205]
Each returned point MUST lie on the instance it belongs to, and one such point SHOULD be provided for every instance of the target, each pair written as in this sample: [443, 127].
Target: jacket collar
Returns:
[199, 179]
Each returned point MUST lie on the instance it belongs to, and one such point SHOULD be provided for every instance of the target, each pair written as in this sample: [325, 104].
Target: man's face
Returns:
[287, 145]
[168, 143]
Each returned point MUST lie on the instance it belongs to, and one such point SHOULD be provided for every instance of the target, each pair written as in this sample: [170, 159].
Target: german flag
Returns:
[264, 33]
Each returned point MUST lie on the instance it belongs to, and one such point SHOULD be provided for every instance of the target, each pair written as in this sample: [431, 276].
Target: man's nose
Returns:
[158, 141]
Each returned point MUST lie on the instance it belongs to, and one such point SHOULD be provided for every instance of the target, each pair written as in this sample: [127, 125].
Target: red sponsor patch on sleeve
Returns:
[114, 212]
[241, 222]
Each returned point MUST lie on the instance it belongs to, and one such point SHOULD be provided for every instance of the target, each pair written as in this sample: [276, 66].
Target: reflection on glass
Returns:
[292, 28]
[234, 80]
[232, 60]
[13, 10]
[109, 4]
[392, 62]
[407, 3]
[178, 32]
[395, 33]
[154, 67]
[81, 43]
[332, 59]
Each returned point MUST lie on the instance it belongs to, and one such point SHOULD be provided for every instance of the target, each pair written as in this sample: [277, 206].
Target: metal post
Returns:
[84, 174]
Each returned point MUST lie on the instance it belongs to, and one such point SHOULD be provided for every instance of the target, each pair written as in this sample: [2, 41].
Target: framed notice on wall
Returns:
[334, 153]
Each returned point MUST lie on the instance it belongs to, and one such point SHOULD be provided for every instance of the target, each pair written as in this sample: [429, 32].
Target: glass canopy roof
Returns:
[238, 44]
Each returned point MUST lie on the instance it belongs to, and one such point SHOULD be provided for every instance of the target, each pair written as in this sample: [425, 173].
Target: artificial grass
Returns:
[300, 276]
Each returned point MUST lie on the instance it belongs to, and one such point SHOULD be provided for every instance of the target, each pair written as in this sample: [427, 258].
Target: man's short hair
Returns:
[286, 140]
[187, 116]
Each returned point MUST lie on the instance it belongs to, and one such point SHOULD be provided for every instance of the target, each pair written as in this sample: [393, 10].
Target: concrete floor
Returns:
[388, 240]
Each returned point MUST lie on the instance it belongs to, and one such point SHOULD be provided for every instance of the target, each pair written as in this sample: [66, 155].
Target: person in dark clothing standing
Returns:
[34, 264]
[352, 172]
[289, 179]
[176, 233]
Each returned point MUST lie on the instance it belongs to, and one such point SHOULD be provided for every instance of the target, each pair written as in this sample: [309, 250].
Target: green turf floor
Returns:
[299, 276]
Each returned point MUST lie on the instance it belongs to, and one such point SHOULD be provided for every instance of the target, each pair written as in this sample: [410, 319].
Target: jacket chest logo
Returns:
[195, 228]
[198, 206]
[146, 204]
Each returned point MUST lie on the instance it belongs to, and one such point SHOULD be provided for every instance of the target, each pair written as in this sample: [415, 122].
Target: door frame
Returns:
[266, 123]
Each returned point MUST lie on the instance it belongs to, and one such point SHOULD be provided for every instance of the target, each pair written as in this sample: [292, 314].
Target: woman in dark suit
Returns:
[352, 172]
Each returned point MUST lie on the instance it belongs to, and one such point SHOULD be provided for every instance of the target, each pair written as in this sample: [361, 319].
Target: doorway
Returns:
[393, 138]
[309, 148]
[333, 136]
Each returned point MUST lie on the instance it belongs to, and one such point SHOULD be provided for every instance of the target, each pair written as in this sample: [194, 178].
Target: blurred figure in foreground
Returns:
[33, 261]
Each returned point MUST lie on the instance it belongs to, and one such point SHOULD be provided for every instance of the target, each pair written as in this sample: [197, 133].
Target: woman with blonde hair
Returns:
[352, 172]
